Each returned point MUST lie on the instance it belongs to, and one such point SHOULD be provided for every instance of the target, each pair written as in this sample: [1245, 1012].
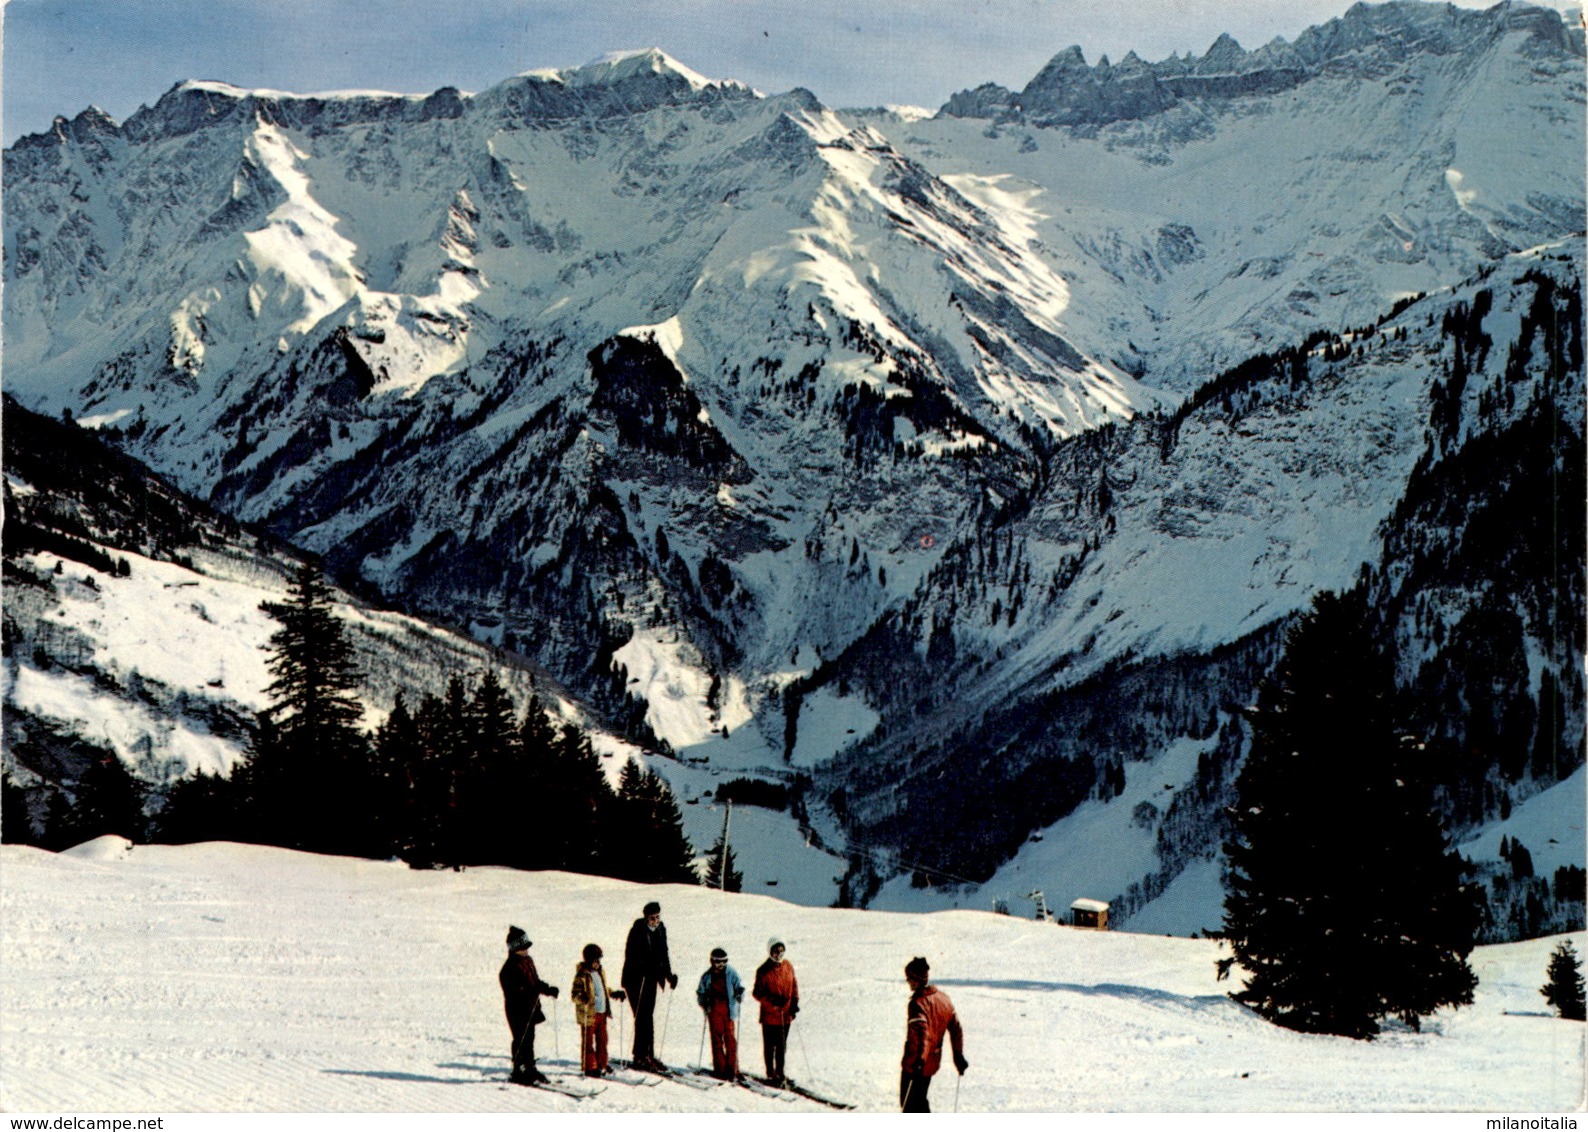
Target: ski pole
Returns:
[518, 1040]
[556, 1031]
[667, 1014]
[700, 1054]
[805, 1057]
[957, 1080]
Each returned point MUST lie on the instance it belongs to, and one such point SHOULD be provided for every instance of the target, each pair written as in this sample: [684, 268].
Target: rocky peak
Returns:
[1066, 92]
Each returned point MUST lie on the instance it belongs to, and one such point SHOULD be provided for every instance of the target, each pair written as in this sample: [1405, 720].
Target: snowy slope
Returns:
[231, 978]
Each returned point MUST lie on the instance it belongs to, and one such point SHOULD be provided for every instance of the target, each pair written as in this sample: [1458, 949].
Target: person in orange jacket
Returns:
[778, 992]
[929, 1017]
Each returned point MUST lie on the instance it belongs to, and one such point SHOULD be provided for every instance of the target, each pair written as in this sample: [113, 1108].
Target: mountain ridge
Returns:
[781, 426]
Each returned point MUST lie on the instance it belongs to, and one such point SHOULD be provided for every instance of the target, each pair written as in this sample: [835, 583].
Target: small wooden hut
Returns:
[1092, 914]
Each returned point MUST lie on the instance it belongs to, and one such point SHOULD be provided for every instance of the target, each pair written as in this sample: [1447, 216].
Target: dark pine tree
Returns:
[16, 821]
[109, 800]
[1345, 904]
[309, 773]
[431, 774]
[201, 807]
[487, 793]
[576, 804]
[720, 870]
[648, 832]
[1564, 990]
[397, 756]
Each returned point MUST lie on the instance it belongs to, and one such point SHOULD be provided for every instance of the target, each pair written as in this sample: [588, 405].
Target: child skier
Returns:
[592, 1006]
[521, 991]
[718, 993]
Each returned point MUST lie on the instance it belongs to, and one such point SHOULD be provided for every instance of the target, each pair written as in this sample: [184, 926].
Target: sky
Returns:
[61, 56]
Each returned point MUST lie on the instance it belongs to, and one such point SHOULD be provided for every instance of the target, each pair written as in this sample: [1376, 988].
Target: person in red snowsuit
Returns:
[929, 1017]
[778, 992]
[719, 994]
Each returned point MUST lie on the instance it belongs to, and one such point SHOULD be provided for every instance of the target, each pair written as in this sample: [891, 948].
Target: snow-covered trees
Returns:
[1345, 904]
[1564, 990]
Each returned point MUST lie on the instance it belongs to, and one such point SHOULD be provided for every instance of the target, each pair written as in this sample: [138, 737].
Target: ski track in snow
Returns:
[225, 977]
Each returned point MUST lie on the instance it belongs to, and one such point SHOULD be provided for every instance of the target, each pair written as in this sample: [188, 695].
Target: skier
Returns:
[592, 1006]
[646, 967]
[778, 992]
[719, 993]
[930, 1015]
[521, 991]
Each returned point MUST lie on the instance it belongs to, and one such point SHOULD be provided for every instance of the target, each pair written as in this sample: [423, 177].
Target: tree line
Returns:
[464, 778]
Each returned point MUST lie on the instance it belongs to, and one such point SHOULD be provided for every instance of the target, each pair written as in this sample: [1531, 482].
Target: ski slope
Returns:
[235, 978]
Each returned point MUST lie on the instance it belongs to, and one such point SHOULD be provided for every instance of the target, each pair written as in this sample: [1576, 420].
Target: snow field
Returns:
[236, 978]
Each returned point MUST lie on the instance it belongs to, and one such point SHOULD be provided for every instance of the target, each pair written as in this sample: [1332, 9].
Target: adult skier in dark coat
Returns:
[646, 968]
[930, 1015]
[521, 991]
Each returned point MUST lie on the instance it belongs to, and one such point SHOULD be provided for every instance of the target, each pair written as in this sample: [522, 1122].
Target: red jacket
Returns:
[930, 1016]
[778, 992]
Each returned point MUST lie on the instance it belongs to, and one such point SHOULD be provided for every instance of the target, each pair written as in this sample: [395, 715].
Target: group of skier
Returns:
[647, 968]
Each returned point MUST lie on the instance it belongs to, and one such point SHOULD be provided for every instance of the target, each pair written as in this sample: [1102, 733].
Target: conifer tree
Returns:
[577, 802]
[310, 765]
[1345, 904]
[432, 783]
[109, 800]
[649, 831]
[486, 797]
[396, 756]
[1564, 990]
[200, 807]
[16, 822]
[720, 868]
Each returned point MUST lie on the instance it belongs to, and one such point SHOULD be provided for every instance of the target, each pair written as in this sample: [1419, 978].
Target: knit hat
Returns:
[916, 968]
[591, 953]
[718, 953]
[653, 909]
[517, 940]
[773, 944]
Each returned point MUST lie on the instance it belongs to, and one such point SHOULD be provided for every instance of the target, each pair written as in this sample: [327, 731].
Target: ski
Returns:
[674, 1075]
[637, 1081]
[761, 1088]
[788, 1091]
[692, 1079]
[743, 1081]
[557, 1087]
[568, 1090]
[800, 1090]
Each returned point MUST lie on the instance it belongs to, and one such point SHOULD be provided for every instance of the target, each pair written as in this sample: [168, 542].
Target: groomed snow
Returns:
[234, 978]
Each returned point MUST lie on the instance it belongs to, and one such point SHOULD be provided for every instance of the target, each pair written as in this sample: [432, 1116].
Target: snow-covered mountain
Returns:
[1224, 204]
[953, 471]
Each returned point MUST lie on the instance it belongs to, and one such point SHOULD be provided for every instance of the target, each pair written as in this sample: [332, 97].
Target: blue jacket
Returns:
[735, 987]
